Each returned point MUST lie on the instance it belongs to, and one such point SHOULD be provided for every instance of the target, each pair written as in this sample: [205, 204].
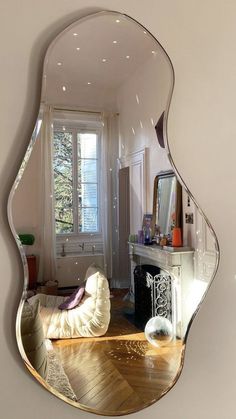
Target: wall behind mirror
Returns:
[87, 183]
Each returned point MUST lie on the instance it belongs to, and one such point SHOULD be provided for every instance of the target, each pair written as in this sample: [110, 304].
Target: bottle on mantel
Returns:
[156, 237]
[176, 237]
[147, 234]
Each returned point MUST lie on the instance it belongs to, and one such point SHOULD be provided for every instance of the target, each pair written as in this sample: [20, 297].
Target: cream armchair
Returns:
[90, 318]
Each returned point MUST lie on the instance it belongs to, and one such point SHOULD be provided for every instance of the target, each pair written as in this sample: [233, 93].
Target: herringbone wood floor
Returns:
[119, 372]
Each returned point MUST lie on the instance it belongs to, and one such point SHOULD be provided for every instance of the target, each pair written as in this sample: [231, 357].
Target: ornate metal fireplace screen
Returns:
[161, 293]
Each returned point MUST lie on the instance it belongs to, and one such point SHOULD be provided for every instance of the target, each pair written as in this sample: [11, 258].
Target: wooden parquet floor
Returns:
[120, 372]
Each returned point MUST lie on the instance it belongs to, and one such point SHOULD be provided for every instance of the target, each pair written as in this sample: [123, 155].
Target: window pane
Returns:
[63, 182]
[88, 195]
[88, 220]
[87, 171]
[87, 145]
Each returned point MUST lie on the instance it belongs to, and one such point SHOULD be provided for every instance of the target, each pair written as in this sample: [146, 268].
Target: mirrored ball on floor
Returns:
[159, 331]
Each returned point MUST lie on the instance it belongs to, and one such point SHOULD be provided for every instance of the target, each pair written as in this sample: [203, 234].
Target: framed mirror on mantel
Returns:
[167, 202]
[103, 318]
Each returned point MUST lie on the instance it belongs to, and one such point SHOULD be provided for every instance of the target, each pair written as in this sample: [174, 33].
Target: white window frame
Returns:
[76, 236]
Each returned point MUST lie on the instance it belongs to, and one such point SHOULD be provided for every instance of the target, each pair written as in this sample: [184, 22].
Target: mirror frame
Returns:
[179, 221]
[178, 202]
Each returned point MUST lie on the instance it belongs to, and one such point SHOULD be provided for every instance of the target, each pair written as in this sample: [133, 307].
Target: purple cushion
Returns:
[73, 300]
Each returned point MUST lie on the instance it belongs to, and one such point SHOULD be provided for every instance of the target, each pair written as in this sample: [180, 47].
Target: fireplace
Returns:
[153, 294]
[164, 286]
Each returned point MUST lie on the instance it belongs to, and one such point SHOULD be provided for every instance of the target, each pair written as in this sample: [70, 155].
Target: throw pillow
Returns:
[74, 299]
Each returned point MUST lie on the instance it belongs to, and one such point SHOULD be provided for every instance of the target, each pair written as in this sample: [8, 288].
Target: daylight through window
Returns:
[76, 194]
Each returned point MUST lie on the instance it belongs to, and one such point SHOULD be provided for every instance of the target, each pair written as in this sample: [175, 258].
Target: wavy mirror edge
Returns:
[201, 212]
[23, 256]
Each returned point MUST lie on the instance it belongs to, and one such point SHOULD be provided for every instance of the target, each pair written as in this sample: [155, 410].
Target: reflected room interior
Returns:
[117, 254]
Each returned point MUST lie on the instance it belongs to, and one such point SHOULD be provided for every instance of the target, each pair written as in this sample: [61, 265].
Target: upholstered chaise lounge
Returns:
[90, 318]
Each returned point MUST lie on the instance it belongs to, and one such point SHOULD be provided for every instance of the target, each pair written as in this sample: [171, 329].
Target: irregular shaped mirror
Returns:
[80, 208]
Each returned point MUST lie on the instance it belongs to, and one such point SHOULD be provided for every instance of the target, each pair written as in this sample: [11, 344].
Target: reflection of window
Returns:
[76, 160]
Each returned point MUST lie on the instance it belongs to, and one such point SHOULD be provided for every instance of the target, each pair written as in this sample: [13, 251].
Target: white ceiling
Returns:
[94, 39]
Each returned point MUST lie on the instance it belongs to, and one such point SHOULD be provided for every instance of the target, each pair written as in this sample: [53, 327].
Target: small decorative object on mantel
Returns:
[159, 331]
[140, 237]
[156, 236]
[176, 237]
[147, 228]
[163, 241]
[147, 233]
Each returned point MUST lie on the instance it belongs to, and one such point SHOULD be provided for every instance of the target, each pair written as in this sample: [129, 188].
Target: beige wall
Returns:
[151, 84]
[200, 39]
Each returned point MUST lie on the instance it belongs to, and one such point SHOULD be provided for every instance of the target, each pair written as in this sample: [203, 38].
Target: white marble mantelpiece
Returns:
[165, 259]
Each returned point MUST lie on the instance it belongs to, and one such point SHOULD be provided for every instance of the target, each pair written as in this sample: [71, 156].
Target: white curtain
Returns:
[109, 154]
[47, 261]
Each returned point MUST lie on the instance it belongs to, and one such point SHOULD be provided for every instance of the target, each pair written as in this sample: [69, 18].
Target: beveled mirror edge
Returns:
[22, 253]
[179, 177]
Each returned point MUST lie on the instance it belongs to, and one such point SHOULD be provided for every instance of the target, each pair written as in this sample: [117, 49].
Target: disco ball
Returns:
[159, 331]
